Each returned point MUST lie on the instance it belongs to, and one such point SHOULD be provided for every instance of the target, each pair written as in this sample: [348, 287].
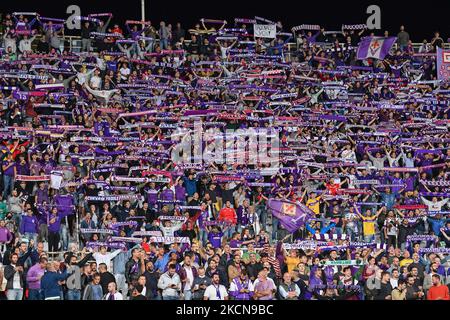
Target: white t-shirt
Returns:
[117, 296]
[125, 72]
[393, 230]
[394, 283]
[211, 292]
[95, 82]
[16, 280]
[190, 278]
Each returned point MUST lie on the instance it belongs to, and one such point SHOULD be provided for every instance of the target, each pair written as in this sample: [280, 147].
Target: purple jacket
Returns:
[29, 224]
[33, 277]
[5, 235]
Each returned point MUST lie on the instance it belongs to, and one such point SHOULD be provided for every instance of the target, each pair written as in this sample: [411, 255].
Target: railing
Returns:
[73, 44]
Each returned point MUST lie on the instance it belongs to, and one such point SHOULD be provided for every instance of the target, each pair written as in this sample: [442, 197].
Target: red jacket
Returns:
[228, 214]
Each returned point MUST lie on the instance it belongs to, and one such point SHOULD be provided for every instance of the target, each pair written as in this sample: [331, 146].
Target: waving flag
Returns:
[291, 215]
[375, 47]
[443, 64]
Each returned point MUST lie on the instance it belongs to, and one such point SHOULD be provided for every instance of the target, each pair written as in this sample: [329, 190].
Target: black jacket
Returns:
[105, 279]
[9, 273]
[85, 32]
[129, 275]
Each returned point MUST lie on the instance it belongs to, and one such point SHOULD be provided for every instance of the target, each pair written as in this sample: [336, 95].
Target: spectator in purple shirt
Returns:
[42, 194]
[22, 166]
[34, 276]
[54, 227]
[180, 191]
[29, 226]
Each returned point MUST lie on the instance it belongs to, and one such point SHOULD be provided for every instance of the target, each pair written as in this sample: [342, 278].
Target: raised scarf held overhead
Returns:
[172, 218]
[33, 178]
[125, 239]
[147, 234]
[114, 198]
[170, 240]
[310, 27]
[117, 225]
[438, 183]
[435, 250]
[93, 231]
[112, 245]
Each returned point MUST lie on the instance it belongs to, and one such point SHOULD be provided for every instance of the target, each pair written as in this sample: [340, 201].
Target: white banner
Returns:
[265, 30]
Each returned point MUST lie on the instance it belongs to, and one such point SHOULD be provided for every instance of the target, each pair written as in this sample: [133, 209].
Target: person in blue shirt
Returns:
[162, 260]
[323, 229]
[191, 185]
[436, 223]
[51, 289]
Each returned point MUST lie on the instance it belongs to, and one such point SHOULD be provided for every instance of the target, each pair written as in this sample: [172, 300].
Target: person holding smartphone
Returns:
[170, 284]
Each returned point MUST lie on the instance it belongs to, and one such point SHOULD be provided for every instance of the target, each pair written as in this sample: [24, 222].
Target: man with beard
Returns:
[241, 288]
[170, 284]
[235, 268]
[213, 267]
[187, 275]
[201, 282]
[253, 267]
[151, 280]
[215, 291]
[133, 267]
[73, 282]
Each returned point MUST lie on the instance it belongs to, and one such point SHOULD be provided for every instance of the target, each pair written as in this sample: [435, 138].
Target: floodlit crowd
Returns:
[94, 206]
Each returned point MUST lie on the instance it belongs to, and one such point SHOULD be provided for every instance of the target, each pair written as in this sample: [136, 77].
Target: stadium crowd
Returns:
[93, 207]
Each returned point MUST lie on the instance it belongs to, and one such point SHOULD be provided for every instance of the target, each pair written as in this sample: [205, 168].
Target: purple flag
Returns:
[291, 215]
[375, 47]
[443, 64]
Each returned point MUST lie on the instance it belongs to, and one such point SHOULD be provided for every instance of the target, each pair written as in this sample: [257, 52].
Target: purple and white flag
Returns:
[291, 215]
[443, 64]
[375, 47]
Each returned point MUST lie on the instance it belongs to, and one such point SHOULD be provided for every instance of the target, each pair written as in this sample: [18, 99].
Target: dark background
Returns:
[420, 20]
